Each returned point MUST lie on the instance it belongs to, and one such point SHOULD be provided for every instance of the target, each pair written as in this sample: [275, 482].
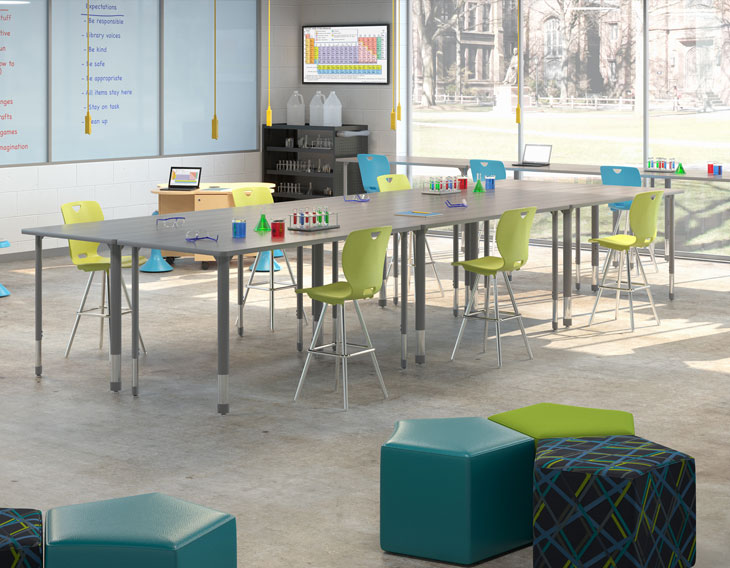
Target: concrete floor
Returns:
[303, 478]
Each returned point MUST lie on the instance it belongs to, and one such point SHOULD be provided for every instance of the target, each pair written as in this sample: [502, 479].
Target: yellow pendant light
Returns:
[392, 111]
[269, 120]
[518, 111]
[214, 133]
[87, 118]
[398, 109]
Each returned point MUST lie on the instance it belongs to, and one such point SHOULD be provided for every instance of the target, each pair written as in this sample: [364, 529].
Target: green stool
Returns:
[144, 531]
[455, 489]
[547, 420]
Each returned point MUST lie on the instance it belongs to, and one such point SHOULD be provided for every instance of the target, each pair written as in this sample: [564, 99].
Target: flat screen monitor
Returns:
[184, 178]
[355, 55]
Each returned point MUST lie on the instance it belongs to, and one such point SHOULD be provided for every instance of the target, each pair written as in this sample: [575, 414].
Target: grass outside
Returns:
[702, 212]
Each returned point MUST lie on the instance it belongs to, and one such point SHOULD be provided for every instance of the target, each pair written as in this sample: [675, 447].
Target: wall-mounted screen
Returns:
[346, 54]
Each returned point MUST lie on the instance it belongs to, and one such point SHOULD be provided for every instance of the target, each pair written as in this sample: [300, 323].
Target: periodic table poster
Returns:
[345, 54]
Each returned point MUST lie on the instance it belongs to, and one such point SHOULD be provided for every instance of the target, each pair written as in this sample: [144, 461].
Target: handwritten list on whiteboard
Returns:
[124, 71]
[23, 85]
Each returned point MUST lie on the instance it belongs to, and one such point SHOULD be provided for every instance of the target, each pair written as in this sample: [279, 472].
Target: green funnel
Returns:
[479, 188]
[263, 225]
[680, 169]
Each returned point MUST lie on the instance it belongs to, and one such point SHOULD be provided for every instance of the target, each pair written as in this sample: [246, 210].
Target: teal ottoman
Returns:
[145, 531]
[455, 489]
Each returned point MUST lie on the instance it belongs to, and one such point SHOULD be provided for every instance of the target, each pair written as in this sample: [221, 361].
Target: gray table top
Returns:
[692, 174]
[381, 210]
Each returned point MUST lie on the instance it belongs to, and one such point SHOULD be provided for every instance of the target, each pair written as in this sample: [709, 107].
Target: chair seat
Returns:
[616, 242]
[620, 206]
[333, 294]
[96, 262]
[486, 266]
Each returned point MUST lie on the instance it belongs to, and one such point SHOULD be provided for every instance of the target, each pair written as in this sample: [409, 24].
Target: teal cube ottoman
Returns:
[144, 531]
[455, 489]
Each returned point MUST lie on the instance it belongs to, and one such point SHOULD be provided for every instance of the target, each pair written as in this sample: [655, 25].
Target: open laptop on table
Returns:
[536, 155]
[183, 179]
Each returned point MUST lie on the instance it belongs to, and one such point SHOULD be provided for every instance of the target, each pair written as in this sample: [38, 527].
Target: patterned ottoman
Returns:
[21, 538]
[455, 489]
[618, 501]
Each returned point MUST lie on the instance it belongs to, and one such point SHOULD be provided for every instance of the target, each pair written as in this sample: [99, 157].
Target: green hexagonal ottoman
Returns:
[455, 489]
[548, 420]
[144, 531]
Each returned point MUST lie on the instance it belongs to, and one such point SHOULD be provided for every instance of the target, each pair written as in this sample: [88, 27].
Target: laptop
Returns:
[183, 179]
[536, 155]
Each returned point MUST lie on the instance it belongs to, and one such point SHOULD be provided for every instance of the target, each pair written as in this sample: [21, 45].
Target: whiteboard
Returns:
[23, 83]
[189, 76]
[124, 79]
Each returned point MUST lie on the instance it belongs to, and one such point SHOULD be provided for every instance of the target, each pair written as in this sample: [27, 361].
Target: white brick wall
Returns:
[31, 196]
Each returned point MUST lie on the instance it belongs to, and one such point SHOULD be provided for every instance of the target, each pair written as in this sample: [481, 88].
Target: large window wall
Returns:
[582, 91]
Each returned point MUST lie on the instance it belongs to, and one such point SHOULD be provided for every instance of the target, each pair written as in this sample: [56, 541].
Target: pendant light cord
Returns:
[269, 120]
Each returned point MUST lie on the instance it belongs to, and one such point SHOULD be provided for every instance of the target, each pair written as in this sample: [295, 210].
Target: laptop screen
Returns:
[537, 153]
[184, 178]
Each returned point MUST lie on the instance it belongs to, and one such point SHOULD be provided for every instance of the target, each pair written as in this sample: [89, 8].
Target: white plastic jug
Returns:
[295, 109]
[332, 110]
[316, 110]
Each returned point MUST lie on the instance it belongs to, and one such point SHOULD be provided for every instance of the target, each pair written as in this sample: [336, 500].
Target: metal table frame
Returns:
[141, 232]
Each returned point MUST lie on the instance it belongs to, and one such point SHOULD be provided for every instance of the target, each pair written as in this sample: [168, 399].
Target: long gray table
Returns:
[142, 232]
[588, 170]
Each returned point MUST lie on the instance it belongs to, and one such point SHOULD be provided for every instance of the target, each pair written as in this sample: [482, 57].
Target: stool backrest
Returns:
[513, 236]
[643, 216]
[620, 175]
[486, 168]
[81, 212]
[393, 182]
[372, 166]
[245, 196]
[363, 257]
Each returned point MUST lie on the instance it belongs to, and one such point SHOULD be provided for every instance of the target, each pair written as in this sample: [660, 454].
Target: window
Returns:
[486, 8]
[613, 31]
[553, 39]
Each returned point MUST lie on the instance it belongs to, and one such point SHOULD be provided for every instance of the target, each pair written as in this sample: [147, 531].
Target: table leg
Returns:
[455, 277]
[567, 268]
[577, 248]
[667, 225]
[404, 301]
[240, 295]
[555, 269]
[335, 278]
[471, 251]
[300, 299]
[420, 278]
[271, 289]
[396, 267]
[344, 181]
[669, 212]
[38, 306]
[487, 236]
[223, 317]
[135, 321]
[317, 280]
[115, 317]
[383, 294]
[594, 248]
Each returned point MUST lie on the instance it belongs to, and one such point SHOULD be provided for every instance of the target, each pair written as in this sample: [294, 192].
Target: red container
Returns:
[462, 182]
[277, 229]
[710, 168]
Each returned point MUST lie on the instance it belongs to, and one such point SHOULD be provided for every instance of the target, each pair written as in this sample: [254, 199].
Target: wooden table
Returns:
[142, 232]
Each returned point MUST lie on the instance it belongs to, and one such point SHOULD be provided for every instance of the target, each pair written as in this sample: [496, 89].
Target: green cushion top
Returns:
[547, 420]
[460, 437]
[153, 521]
